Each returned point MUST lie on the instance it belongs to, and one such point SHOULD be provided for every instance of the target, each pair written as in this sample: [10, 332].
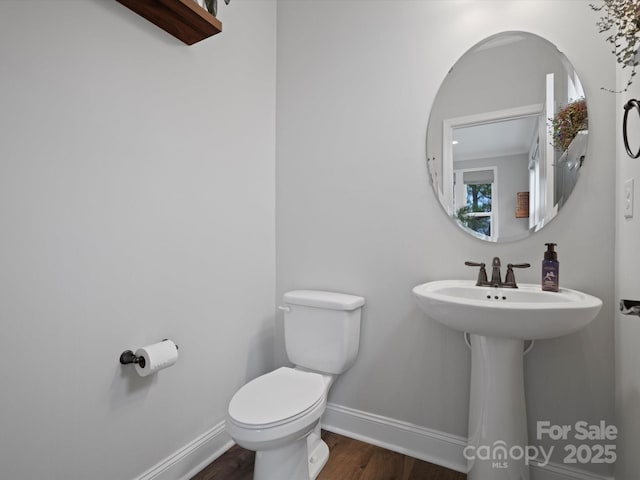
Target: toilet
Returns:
[278, 414]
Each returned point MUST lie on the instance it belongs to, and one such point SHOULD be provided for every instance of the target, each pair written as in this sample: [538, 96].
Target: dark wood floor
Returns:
[348, 460]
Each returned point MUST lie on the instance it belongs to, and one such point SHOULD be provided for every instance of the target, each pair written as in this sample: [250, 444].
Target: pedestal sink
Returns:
[499, 320]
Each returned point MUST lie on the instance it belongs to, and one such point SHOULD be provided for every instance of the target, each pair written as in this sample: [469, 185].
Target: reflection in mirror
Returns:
[507, 136]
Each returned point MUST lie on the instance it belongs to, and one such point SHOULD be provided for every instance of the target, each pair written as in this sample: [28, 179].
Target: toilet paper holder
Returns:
[128, 357]
[630, 307]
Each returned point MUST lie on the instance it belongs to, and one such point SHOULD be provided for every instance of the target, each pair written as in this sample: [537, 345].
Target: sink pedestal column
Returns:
[497, 442]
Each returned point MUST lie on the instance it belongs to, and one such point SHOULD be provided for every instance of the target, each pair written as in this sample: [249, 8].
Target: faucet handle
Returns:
[474, 264]
[482, 274]
[510, 278]
[518, 265]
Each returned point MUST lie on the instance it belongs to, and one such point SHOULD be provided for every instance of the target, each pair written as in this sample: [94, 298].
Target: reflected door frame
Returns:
[448, 126]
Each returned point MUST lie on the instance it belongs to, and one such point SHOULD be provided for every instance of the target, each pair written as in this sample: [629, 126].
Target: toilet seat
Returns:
[276, 398]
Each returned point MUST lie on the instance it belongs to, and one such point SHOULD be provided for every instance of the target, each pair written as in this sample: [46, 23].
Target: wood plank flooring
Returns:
[348, 460]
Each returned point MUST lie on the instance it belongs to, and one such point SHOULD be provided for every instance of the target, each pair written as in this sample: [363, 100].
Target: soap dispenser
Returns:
[550, 269]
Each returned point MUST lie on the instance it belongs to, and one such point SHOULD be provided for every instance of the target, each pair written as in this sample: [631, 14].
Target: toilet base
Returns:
[286, 462]
[300, 460]
[318, 453]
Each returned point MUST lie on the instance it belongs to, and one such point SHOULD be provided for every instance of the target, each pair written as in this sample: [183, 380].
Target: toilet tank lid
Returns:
[322, 299]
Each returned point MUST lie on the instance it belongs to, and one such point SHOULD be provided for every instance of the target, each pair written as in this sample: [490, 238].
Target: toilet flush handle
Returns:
[284, 308]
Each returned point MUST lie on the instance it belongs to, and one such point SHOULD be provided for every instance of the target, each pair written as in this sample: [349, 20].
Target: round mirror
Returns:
[507, 136]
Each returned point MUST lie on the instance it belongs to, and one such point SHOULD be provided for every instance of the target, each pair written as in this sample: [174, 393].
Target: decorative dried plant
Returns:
[622, 18]
[569, 120]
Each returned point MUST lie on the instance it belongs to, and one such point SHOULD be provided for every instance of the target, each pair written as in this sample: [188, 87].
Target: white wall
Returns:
[133, 208]
[627, 287]
[355, 211]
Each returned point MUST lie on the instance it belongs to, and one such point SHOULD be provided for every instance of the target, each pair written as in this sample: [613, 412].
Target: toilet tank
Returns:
[322, 329]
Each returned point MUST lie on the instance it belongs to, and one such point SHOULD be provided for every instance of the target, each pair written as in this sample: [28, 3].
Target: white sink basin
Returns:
[525, 313]
[499, 320]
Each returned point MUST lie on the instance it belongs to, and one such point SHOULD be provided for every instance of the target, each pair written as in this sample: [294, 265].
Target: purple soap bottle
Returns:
[550, 269]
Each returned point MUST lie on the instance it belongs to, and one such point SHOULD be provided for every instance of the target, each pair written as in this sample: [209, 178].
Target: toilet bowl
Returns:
[278, 414]
[280, 425]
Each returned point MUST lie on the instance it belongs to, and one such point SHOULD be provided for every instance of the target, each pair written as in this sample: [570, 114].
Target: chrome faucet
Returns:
[496, 278]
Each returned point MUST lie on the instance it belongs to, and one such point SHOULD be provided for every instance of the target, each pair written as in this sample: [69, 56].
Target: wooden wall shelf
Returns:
[184, 19]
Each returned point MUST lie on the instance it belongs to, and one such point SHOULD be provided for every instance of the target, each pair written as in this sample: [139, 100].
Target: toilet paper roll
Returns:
[156, 357]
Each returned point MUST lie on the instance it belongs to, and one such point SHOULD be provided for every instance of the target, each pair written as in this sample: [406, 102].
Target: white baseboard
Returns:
[425, 444]
[192, 458]
[558, 471]
[419, 442]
